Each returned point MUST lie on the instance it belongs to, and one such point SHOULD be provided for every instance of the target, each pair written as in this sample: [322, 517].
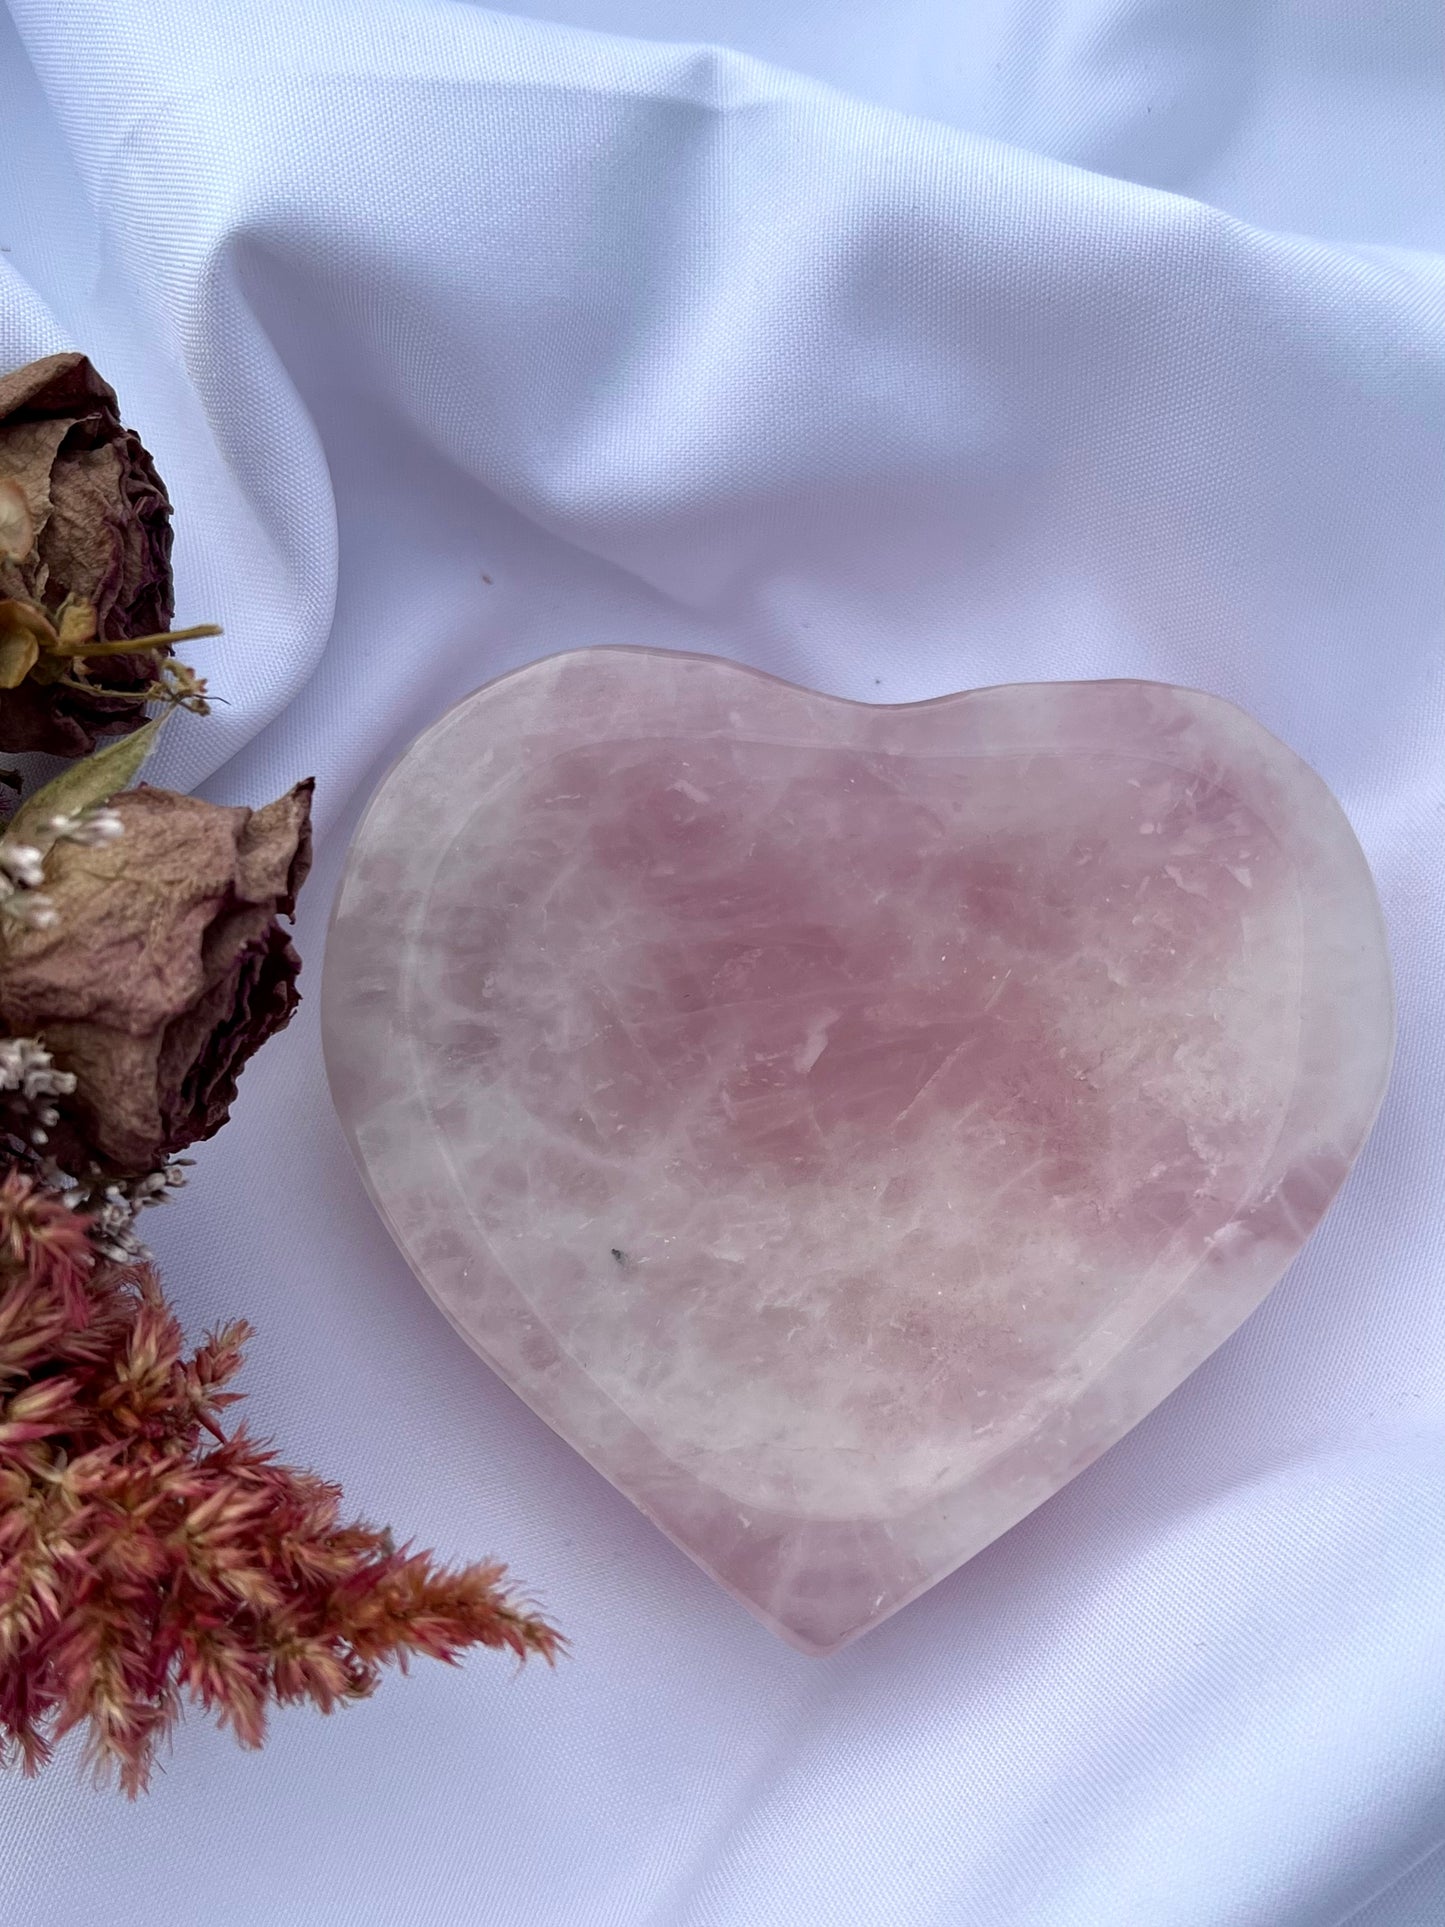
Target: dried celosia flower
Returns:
[161, 967]
[146, 1557]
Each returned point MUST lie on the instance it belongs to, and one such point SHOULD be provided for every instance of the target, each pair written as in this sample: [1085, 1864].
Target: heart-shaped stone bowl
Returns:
[843, 1122]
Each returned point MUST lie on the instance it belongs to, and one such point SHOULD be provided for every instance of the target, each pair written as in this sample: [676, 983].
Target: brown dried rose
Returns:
[101, 524]
[164, 968]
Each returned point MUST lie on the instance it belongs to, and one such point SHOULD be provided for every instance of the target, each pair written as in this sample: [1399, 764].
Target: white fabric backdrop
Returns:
[960, 344]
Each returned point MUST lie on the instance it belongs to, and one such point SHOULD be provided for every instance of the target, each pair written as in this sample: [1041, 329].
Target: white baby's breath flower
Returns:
[89, 828]
[27, 1066]
[28, 1079]
[112, 1204]
[29, 909]
[23, 864]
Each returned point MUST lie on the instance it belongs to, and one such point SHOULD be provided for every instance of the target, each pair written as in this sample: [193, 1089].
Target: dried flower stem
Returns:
[132, 646]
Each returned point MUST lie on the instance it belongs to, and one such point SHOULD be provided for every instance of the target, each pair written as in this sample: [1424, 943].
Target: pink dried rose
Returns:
[161, 966]
[98, 518]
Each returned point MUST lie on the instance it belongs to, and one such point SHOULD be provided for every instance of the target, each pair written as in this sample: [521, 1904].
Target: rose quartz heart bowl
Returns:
[841, 1122]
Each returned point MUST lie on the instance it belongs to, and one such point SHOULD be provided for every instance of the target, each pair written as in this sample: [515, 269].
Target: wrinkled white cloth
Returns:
[896, 346]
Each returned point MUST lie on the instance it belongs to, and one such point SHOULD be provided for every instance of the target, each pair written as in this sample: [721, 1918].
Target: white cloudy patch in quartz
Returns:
[842, 1122]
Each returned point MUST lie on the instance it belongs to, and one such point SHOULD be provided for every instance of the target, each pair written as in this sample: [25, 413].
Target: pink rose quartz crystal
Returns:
[842, 1122]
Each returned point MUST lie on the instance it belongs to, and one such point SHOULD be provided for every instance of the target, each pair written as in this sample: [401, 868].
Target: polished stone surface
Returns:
[842, 1122]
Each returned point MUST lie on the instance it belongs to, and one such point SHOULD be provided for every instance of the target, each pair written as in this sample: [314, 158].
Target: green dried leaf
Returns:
[94, 779]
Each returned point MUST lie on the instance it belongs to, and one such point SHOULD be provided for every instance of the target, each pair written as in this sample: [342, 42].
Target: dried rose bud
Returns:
[164, 968]
[101, 522]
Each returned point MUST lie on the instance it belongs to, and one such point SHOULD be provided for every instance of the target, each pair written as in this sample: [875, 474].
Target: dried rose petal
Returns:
[164, 970]
[101, 526]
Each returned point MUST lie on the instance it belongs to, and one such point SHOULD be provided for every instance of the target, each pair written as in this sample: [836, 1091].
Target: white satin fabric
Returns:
[896, 346]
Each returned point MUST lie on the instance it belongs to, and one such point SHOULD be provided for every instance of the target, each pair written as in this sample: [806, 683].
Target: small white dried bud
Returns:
[123, 1247]
[31, 912]
[89, 828]
[111, 1204]
[27, 1066]
[22, 864]
[15, 1058]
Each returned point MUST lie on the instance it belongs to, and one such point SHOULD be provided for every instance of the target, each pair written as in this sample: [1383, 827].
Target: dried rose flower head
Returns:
[160, 965]
[85, 492]
[145, 1556]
